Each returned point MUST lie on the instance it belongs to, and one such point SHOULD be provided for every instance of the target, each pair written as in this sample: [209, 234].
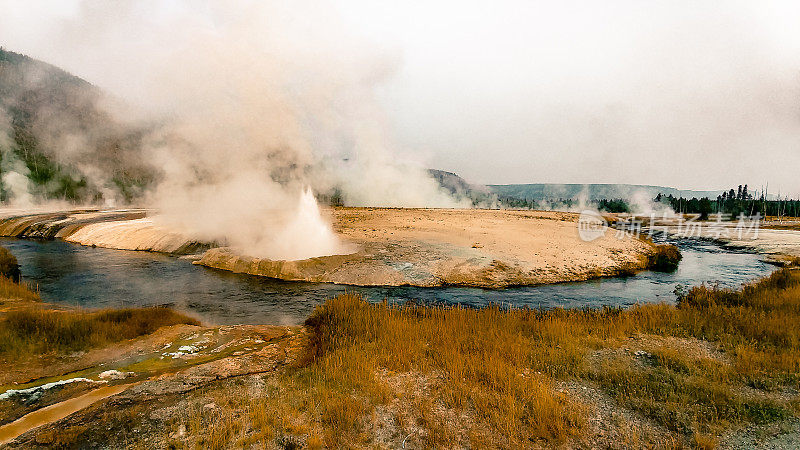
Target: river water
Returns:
[99, 277]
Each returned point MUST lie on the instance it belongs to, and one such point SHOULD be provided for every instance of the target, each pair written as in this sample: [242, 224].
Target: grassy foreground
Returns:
[33, 331]
[379, 375]
[29, 328]
[456, 377]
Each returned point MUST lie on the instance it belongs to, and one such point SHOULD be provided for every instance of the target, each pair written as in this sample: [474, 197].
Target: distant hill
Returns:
[52, 131]
[459, 188]
[528, 195]
[454, 183]
[535, 192]
[549, 191]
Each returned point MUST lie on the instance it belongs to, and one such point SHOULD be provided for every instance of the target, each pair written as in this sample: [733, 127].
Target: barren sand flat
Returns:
[437, 247]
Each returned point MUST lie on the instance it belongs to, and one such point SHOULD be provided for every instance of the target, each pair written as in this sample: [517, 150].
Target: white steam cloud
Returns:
[15, 173]
[257, 104]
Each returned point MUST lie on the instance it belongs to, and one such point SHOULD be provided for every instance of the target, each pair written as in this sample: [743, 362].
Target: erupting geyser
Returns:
[304, 235]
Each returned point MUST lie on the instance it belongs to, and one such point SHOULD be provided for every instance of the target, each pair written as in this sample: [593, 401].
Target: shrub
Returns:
[665, 258]
[9, 267]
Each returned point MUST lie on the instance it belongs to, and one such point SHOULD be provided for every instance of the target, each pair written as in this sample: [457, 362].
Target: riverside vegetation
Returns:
[721, 359]
[30, 328]
[391, 375]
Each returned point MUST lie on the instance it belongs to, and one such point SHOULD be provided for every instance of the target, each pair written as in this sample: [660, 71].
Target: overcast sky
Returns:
[696, 95]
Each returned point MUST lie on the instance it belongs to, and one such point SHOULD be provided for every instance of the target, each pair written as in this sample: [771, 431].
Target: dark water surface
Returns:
[98, 277]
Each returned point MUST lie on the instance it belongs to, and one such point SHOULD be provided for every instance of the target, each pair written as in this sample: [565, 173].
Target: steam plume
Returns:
[255, 104]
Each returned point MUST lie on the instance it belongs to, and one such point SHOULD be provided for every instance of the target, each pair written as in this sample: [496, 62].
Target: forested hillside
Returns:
[57, 142]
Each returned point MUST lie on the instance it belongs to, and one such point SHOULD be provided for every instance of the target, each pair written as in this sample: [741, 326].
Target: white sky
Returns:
[692, 94]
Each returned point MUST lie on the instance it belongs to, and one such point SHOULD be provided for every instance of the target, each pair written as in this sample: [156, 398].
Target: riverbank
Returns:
[720, 369]
[59, 360]
[391, 246]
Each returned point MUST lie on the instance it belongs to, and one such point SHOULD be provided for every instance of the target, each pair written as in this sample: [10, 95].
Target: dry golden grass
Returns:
[11, 292]
[489, 362]
[33, 329]
[478, 377]
[758, 325]
[771, 223]
[375, 375]
[36, 330]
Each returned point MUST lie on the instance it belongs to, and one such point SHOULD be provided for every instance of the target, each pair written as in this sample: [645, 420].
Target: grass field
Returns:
[456, 377]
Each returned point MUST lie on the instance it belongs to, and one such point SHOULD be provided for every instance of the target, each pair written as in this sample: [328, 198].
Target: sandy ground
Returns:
[464, 247]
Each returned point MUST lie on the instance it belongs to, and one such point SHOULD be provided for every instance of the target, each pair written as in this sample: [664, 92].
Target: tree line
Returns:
[733, 203]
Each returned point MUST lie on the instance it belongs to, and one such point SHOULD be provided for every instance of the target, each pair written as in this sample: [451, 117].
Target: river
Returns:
[105, 278]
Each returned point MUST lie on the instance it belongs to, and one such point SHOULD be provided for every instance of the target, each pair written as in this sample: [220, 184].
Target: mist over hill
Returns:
[591, 192]
[563, 196]
[58, 142]
[62, 138]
